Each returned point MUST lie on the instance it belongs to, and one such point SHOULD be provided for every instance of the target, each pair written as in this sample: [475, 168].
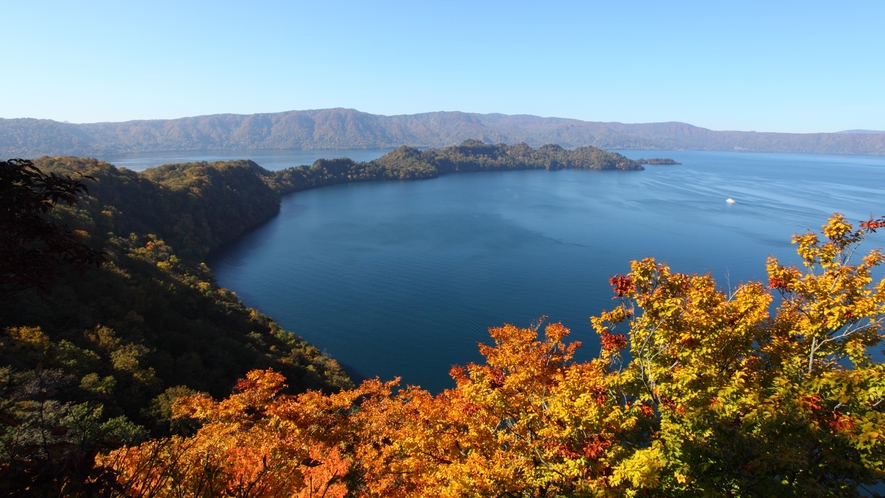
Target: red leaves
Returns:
[612, 342]
[622, 285]
[245, 385]
[592, 448]
[777, 283]
[496, 378]
[841, 423]
[566, 451]
[813, 402]
[470, 408]
[872, 224]
[601, 396]
[595, 447]
[783, 279]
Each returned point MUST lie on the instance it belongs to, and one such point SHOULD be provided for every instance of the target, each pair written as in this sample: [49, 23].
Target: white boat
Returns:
[730, 201]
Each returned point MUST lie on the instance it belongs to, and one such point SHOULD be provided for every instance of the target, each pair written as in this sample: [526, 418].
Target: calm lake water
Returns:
[404, 278]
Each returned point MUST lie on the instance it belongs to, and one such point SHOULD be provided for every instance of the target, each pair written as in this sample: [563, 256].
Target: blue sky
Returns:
[766, 66]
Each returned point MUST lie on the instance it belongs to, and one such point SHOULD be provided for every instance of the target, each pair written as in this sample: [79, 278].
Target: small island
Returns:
[657, 161]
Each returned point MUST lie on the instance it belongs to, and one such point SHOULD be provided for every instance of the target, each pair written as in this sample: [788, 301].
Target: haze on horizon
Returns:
[796, 67]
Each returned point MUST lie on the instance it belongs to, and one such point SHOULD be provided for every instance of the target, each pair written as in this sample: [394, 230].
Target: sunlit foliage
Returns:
[765, 390]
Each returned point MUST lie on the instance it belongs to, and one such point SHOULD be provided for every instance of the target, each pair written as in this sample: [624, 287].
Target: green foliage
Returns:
[47, 440]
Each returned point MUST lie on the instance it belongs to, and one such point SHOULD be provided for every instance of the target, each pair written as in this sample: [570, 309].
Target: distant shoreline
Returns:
[351, 129]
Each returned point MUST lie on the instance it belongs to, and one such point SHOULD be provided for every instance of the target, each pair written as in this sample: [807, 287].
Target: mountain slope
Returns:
[348, 128]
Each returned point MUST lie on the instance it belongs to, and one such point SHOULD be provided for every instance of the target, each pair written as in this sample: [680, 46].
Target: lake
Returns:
[404, 278]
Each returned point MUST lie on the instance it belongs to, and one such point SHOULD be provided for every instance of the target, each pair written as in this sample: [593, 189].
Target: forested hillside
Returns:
[351, 129]
[98, 360]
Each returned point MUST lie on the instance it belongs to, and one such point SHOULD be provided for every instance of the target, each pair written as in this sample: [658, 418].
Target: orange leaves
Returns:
[323, 477]
[459, 374]
[245, 447]
[519, 356]
[504, 428]
[841, 422]
[595, 447]
[555, 333]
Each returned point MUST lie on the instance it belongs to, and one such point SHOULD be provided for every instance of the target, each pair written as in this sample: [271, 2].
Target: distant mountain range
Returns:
[351, 129]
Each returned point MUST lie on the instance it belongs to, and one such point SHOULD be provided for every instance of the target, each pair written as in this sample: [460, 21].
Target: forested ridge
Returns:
[352, 129]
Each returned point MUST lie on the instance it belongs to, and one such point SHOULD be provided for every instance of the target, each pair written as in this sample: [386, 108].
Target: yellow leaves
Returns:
[873, 258]
[840, 232]
[198, 406]
[840, 235]
[830, 311]
[641, 471]
[28, 338]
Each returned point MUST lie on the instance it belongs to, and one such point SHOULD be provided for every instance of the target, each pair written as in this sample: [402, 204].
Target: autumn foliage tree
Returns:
[765, 390]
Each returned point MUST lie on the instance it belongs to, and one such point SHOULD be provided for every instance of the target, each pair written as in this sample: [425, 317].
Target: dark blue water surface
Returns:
[403, 278]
